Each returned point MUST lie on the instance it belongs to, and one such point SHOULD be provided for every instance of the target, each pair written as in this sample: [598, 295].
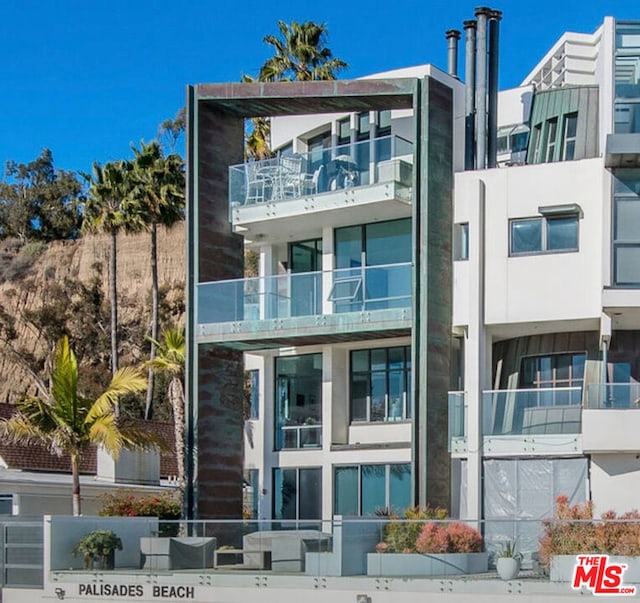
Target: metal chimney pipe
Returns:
[492, 117]
[482, 13]
[470, 93]
[453, 35]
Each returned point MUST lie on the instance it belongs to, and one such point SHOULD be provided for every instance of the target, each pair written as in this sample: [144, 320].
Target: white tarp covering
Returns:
[526, 489]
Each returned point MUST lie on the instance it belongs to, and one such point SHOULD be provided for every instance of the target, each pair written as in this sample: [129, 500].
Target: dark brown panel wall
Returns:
[432, 306]
[218, 469]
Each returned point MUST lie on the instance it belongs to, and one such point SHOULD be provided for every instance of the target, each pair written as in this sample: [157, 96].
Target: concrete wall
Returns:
[615, 481]
[539, 287]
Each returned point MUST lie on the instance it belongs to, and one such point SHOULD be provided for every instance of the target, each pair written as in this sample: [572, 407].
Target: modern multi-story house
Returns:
[352, 224]
[546, 278]
[414, 240]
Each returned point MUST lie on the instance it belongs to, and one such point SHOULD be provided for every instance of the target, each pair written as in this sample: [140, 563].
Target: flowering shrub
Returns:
[400, 535]
[573, 531]
[454, 537]
[166, 506]
[420, 535]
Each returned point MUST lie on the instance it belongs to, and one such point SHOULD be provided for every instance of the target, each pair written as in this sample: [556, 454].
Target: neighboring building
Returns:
[546, 305]
[34, 482]
[343, 338]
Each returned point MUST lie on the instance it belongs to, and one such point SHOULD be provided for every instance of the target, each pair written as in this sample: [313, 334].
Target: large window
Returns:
[367, 259]
[627, 78]
[380, 384]
[544, 234]
[553, 371]
[297, 493]
[626, 228]
[365, 489]
[299, 401]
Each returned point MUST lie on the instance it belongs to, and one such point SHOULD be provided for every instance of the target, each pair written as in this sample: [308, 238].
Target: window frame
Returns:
[359, 476]
[566, 140]
[406, 401]
[460, 241]
[544, 242]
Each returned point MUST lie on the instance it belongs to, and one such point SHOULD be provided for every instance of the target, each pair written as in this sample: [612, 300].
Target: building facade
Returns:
[546, 275]
[394, 267]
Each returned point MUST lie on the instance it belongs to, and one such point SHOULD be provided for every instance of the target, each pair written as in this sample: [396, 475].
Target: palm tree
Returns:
[300, 54]
[170, 359]
[104, 212]
[158, 195]
[68, 423]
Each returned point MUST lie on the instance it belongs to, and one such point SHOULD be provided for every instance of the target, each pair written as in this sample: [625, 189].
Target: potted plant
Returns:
[508, 562]
[436, 547]
[99, 546]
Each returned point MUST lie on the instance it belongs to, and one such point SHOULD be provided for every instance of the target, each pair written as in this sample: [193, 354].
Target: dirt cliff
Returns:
[48, 289]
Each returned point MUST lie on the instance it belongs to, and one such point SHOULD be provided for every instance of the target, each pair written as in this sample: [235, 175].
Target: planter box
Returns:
[562, 568]
[413, 564]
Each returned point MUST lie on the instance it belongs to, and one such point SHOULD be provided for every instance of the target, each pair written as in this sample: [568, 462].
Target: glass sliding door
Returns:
[297, 493]
[305, 262]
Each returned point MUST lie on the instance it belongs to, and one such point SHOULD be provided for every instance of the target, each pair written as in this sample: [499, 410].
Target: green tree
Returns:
[68, 423]
[170, 359]
[38, 201]
[300, 54]
[105, 212]
[170, 130]
[157, 192]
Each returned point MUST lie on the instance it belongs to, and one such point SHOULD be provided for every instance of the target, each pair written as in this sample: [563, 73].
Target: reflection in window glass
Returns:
[373, 488]
[380, 384]
[526, 236]
[345, 500]
[546, 234]
[365, 489]
[297, 493]
[570, 132]
[562, 233]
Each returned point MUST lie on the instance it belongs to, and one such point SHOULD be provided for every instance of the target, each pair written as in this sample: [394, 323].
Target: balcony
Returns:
[520, 421]
[267, 197]
[532, 420]
[375, 297]
[611, 422]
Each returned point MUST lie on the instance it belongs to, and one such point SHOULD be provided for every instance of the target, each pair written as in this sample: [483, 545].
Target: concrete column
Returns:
[477, 357]
[327, 268]
[268, 425]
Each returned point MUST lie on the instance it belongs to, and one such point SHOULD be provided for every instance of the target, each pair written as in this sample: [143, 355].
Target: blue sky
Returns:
[88, 78]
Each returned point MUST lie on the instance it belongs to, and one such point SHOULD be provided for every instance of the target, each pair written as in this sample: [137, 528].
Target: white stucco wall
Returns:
[615, 482]
[540, 287]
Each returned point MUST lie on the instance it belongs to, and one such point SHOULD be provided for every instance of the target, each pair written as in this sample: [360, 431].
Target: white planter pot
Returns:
[415, 564]
[507, 567]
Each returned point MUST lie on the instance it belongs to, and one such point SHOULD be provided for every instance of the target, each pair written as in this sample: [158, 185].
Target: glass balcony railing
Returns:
[305, 294]
[613, 395]
[532, 411]
[457, 417]
[321, 171]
